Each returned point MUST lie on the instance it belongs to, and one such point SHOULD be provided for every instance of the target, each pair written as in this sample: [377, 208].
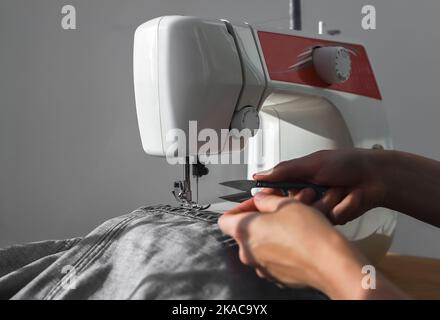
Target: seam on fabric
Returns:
[104, 241]
[105, 237]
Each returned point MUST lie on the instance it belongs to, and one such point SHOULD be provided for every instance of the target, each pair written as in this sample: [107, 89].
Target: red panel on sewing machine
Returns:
[285, 59]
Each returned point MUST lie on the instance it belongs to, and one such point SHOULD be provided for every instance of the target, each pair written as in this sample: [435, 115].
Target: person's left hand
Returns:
[290, 243]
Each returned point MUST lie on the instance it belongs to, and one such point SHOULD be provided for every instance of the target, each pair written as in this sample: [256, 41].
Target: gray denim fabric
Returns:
[157, 252]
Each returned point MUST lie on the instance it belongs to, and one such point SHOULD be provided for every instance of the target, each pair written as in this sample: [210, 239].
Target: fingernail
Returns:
[262, 173]
[260, 196]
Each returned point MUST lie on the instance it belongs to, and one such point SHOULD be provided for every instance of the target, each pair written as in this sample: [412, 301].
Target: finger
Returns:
[234, 224]
[241, 228]
[306, 196]
[244, 206]
[245, 256]
[349, 208]
[269, 203]
[249, 205]
[262, 273]
[277, 192]
[289, 170]
[329, 200]
[259, 273]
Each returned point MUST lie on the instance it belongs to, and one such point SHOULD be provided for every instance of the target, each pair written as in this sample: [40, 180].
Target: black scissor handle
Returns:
[286, 186]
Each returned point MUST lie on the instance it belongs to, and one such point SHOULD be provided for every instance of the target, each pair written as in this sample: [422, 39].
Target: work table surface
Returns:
[416, 276]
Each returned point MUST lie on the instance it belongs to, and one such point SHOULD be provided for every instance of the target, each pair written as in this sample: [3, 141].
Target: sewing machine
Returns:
[303, 93]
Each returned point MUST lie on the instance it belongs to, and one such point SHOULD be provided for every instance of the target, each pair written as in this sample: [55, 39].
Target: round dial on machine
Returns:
[246, 118]
[333, 64]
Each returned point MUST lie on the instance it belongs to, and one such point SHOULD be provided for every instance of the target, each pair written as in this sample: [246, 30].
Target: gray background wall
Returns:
[70, 153]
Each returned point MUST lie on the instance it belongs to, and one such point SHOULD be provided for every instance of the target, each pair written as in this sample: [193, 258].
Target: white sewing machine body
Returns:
[305, 93]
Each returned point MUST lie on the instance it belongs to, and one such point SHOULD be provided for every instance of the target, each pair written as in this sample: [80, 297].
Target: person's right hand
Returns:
[352, 175]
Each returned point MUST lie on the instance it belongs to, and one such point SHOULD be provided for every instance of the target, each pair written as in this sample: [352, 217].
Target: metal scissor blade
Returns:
[237, 197]
[244, 185]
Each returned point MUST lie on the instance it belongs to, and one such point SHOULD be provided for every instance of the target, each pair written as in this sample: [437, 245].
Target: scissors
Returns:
[247, 185]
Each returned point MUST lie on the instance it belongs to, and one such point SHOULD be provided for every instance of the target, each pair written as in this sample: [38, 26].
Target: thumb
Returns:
[268, 202]
[234, 224]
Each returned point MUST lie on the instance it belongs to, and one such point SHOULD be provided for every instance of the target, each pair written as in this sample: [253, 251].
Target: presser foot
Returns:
[182, 194]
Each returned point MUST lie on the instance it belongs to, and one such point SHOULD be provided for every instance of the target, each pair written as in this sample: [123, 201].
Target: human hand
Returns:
[294, 245]
[353, 176]
[287, 241]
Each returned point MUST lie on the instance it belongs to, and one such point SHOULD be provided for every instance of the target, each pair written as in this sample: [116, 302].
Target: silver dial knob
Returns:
[333, 64]
[246, 118]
